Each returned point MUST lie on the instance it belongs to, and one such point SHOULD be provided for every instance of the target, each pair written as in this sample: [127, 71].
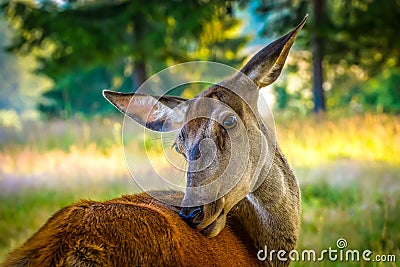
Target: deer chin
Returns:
[214, 218]
[215, 227]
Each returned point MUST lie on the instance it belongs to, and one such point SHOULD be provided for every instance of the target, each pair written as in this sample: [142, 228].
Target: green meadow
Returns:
[348, 169]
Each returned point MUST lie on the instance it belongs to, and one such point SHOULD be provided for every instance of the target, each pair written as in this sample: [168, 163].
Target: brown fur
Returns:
[127, 231]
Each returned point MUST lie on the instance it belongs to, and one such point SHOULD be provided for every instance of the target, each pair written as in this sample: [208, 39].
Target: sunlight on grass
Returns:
[368, 137]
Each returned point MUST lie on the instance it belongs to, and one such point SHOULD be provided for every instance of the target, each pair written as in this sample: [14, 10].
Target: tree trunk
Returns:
[317, 55]
[139, 74]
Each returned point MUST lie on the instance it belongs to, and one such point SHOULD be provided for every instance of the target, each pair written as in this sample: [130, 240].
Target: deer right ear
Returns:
[160, 114]
[266, 66]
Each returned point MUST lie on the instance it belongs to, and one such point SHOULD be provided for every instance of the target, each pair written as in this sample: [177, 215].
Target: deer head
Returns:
[222, 165]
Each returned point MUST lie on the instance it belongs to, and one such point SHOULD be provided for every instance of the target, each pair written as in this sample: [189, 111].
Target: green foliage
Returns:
[20, 89]
[358, 32]
[9, 74]
[382, 94]
[78, 92]
[323, 194]
[359, 42]
[79, 40]
[282, 97]
[379, 94]
[364, 33]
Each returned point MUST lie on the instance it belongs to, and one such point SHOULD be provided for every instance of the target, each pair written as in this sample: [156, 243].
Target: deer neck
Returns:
[270, 215]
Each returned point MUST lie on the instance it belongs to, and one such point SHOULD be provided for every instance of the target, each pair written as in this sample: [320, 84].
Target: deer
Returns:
[261, 210]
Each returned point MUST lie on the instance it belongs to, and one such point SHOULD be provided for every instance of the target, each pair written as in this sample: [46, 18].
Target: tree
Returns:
[317, 46]
[353, 35]
[87, 35]
[281, 15]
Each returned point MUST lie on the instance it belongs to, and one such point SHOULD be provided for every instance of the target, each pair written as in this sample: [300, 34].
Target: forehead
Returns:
[215, 100]
[207, 111]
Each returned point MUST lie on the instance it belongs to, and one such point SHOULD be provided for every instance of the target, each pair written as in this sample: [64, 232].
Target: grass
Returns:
[365, 211]
[348, 168]
[365, 138]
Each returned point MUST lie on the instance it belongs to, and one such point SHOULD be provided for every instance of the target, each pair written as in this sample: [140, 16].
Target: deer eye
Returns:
[230, 121]
[177, 148]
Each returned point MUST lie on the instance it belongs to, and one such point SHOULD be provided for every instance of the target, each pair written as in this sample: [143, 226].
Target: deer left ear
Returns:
[162, 114]
[266, 66]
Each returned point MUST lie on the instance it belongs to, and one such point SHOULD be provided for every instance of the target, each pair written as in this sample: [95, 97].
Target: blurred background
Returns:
[336, 104]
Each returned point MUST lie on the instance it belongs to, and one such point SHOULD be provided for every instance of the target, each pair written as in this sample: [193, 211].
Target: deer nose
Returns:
[194, 152]
[192, 215]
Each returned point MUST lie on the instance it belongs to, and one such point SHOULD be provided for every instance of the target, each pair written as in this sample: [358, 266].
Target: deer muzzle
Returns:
[209, 219]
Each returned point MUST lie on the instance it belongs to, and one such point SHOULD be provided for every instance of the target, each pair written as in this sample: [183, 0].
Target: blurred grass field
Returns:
[348, 169]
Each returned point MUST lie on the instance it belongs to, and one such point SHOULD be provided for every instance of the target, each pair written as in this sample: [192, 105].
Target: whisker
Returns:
[183, 178]
[166, 141]
[169, 138]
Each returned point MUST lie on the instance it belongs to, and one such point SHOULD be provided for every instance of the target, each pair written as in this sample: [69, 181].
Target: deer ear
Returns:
[160, 114]
[266, 66]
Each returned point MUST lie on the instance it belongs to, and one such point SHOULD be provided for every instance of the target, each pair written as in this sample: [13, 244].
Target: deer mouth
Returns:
[214, 219]
[215, 227]
[208, 219]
